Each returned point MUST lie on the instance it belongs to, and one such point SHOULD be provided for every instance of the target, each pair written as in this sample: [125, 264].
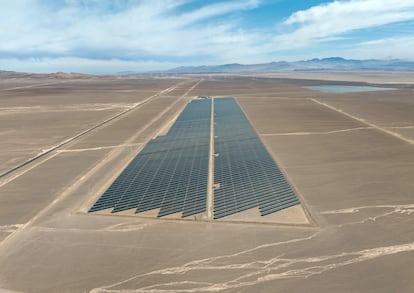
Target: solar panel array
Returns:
[170, 173]
[247, 175]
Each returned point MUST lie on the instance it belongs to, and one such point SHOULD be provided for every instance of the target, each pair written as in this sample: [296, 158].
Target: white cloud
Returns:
[150, 27]
[218, 9]
[84, 65]
[137, 30]
[324, 21]
[386, 48]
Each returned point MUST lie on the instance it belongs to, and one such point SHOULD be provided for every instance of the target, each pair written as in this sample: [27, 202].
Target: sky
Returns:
[109, 36]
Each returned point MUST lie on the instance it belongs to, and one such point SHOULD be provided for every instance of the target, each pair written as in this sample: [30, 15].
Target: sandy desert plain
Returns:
[350, 157]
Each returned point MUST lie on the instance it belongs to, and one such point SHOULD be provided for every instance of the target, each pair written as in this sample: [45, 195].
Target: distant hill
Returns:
[325, 64]
[56, 75]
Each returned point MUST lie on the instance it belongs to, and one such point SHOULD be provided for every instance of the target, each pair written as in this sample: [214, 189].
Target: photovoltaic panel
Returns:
[170, 172]
[247, 175]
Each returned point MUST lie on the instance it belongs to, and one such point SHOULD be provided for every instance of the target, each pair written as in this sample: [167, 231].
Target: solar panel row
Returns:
[246, 173]
[170, 173]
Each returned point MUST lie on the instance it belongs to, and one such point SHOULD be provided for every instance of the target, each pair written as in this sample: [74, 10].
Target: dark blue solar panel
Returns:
[247, 174]
[170, 173]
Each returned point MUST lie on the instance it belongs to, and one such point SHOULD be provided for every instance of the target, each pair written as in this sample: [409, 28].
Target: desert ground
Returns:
[350, 157]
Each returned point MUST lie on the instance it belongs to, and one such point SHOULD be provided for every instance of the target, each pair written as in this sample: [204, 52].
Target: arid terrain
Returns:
[350, 157]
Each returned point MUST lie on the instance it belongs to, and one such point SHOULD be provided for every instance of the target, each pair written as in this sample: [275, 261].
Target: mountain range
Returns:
[325, 64]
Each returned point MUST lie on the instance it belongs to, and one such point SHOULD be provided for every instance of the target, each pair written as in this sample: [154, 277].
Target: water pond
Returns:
[347, 88]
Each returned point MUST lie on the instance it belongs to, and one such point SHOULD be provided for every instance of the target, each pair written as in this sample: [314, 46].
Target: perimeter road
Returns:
[210, 183]
[377, 127]
[73, 138]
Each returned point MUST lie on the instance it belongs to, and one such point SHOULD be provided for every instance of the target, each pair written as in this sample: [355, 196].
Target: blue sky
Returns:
[99, 36]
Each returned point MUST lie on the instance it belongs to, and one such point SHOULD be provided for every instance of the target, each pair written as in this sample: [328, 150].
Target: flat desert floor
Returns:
[350, 156]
